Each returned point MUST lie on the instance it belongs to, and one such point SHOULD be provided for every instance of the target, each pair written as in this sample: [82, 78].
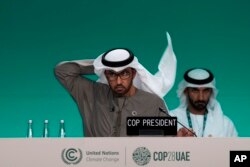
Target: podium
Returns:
[120, 151]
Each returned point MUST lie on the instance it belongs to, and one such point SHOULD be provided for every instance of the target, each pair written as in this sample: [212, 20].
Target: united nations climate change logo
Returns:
[71, 156]
[141, 156]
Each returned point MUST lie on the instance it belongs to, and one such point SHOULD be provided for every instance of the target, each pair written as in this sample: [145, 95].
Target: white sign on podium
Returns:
[120, 151]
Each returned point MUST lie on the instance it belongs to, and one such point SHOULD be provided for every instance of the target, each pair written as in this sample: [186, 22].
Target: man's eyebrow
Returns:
[125, 70]
[110, 71]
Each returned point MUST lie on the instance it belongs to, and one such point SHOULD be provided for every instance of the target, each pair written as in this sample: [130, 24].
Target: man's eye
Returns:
[112, 74]
[207, 90]
[125, 73]
[194, 90]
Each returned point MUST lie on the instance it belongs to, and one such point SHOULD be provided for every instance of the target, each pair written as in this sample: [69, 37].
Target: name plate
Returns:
[151, 126]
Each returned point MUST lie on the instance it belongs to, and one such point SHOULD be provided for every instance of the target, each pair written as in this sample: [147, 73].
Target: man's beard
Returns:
[121, 90]
[199, 105]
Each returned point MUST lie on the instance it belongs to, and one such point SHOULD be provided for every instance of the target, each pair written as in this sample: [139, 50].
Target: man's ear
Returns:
[133, 73]
[186, 91]
[105, 73]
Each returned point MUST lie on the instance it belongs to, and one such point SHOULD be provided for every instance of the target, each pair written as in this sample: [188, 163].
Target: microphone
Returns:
[161, 109]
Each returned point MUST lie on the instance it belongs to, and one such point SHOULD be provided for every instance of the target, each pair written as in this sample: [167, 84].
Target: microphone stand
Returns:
[161, 109]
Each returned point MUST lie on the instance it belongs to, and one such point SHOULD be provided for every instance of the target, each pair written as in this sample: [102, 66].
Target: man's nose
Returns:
[201, 96]
[118, 80]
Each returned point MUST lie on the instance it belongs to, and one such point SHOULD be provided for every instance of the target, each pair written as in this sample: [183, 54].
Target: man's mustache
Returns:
[119, 86]
[200, 102]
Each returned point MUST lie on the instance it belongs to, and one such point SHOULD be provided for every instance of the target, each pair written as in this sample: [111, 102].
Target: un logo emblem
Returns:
[71, 156]
[141, 156]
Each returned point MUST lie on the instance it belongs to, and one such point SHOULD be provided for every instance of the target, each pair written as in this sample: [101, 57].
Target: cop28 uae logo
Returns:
[141, 156]
[71, 156]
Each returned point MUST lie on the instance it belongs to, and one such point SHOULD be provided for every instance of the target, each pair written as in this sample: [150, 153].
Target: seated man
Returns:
[199, 109]
[104, 107]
